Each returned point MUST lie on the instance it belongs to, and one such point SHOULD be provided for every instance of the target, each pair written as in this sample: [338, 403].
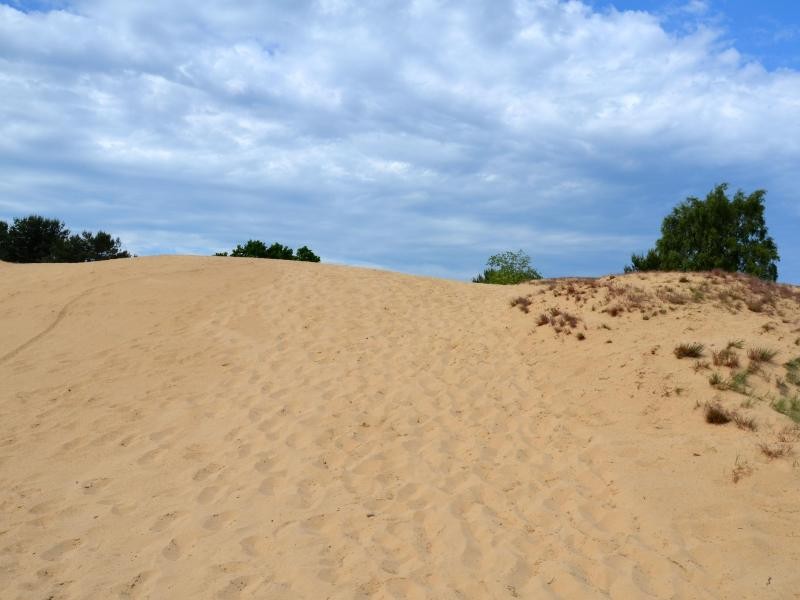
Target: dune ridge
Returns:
[188, 427]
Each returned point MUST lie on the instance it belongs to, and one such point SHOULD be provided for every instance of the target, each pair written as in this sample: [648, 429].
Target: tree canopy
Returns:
[715, 233]
[508, 268]
[258, 249]
[38, 239]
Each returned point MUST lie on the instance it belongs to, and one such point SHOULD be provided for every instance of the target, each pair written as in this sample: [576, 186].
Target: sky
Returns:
[420, 136]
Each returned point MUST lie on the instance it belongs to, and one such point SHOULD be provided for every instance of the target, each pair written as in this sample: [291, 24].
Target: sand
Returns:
[188, 427]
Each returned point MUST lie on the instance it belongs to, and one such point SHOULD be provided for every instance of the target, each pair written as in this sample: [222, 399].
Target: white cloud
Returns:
[383, 135]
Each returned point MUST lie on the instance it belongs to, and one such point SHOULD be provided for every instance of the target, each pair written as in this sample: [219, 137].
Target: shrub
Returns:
[508, 268]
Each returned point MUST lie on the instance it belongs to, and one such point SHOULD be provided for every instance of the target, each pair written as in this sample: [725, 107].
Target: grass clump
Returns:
[725, 358]
[716, 380]
[738, 382]
[689, 350]
[793, 371]
[744, 422]
[789, 407]
[761, 355]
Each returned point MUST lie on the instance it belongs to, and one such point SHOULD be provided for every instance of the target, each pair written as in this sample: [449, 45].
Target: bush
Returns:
[35, 239]
[258, 249]
[508, 268]
[715, 233]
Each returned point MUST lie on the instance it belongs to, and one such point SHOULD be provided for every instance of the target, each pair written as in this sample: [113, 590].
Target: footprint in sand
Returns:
[208, 494]
[216, 521]
[206, 471]
[57, 551]
[234, 588]
[172, 551]
[164, 521]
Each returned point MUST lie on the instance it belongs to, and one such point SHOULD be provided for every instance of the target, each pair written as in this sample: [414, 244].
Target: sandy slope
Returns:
[182, 427]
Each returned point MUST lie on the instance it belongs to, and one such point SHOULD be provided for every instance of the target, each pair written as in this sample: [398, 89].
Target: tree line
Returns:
[258, 249]
[718, 232]
[35, 239]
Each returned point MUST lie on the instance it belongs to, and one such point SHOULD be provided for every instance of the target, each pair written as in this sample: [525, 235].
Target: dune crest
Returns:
[186, 427]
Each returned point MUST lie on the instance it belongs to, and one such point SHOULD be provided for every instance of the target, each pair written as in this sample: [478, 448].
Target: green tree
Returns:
[715, 233]
[3, 240]
[280, 252]
[508, 268]
[89, 246]
[305, 254]
[34, 239]
[251, 249]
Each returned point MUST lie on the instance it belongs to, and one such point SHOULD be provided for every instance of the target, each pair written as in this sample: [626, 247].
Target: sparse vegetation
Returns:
[693, 350]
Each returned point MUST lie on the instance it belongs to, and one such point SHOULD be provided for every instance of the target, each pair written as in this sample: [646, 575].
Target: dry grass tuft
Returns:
[761, 355]
[777, 450]
[725, 358]
[693, 350]
[716, 415]
[741, 470]
[743, 421]
[523, 303]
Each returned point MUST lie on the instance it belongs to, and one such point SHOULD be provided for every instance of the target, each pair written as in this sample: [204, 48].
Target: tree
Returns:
[715, 233]
[252, 249]
[508, 268]
[3, 240]
[305, 254]
[34, 239]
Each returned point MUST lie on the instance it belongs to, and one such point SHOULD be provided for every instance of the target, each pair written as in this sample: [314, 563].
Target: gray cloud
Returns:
[420, 136]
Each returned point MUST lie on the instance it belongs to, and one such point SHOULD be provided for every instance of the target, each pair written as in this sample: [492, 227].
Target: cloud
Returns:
[421, 135]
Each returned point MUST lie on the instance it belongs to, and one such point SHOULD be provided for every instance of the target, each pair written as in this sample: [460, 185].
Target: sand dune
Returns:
[182, 427]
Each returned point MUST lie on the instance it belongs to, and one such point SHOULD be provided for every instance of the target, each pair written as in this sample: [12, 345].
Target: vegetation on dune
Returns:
[508, 268]
[715, 233]
[36, 239]
[258, 249]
